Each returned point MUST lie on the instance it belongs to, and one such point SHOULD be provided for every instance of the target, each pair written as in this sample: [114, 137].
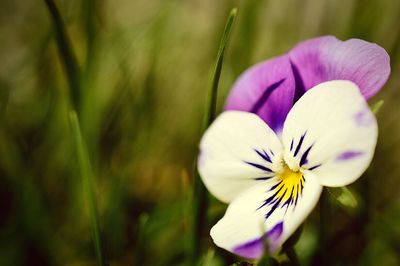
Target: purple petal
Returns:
[266, 89]
[255, 248]
[327, 58]
[252, 249]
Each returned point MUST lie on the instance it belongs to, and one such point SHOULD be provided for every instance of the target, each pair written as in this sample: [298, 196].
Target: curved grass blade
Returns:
[200, 193]
[66, 53]
[87, 183]
[213, 89]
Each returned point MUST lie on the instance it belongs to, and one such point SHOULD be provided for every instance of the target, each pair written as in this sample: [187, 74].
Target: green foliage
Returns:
[137, 73]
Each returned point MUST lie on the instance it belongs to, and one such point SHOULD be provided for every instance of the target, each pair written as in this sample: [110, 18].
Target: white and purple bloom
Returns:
[292, 125]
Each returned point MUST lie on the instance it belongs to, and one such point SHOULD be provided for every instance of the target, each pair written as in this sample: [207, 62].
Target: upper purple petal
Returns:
[266, 89]
[327, 58]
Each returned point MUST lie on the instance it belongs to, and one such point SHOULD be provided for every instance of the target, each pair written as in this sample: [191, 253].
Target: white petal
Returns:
[237, 151]
[244, 228]
[331, 131]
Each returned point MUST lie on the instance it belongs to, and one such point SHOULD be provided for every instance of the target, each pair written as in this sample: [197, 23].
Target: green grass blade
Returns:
[213, 89]
[200, 193]
[89, 13]
[67, 55]
[87, 182]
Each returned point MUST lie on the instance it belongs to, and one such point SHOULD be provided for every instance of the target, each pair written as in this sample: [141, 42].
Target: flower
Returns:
[270, 88]
[292, 125]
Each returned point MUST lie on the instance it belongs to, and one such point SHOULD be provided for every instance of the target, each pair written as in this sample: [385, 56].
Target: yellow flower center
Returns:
[291, 184]
[286, 191]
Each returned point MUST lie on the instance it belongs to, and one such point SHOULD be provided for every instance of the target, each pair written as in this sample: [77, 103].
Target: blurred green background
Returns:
[145, 68]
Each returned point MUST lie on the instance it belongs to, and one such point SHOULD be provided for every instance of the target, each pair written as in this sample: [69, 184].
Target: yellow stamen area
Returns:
[292, 183]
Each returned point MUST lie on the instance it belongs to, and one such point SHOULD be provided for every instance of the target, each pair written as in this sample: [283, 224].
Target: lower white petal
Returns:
[237, 151]
[264, 213]
[331, 131]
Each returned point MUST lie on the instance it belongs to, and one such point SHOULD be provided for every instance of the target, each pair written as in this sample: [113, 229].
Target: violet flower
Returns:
[312, 128]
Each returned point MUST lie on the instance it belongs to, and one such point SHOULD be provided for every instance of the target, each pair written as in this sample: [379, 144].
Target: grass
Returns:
[137, 73]
[200, 200]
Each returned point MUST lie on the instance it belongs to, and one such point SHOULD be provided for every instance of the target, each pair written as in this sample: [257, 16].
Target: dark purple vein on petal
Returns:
[300, 143]
[304, 159]
[259, 166]
[300, 88]
[264, 97]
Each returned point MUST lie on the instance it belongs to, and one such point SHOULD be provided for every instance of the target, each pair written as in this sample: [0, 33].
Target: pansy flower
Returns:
[291, 126]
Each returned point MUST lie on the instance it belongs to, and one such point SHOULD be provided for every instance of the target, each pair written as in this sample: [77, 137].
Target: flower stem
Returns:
[199, 192]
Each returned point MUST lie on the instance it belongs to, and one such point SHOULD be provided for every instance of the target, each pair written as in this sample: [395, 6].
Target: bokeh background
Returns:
[145, 68]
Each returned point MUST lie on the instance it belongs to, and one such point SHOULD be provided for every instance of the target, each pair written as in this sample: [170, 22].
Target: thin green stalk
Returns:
[73, 76]
[87, 182]
[213, 89]
[200, 193]
[67, 55]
